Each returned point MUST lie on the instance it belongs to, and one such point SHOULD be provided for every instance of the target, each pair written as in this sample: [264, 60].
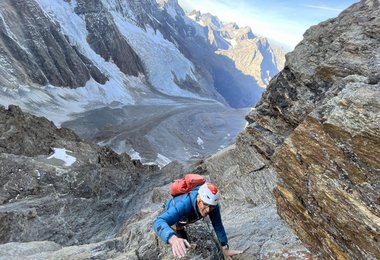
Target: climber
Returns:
[189, 208]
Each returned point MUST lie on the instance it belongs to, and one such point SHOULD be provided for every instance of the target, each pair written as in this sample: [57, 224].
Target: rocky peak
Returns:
[195, 13]
[233, 32]
[230, 30]
[308, 79]
[172, 8]
[252, 55]
[232, 26]
[211, 21]
[317, 122]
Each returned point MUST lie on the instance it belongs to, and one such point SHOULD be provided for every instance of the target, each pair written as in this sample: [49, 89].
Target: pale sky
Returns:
[282, 20]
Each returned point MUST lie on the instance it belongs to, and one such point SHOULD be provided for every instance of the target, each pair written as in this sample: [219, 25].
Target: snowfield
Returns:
[148, 116]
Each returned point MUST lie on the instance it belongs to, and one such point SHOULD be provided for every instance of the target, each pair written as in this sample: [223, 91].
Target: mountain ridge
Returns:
[120, 54]
[251, 54]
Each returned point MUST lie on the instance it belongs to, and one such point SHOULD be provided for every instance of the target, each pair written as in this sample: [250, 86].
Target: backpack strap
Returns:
[185, 220]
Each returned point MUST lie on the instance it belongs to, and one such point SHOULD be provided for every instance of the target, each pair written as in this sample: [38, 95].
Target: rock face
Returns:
[330, 168]
[33, 50]
[318, 123]
[246, 182]
[255, 57]
[28, 135]
[39, 195]
[106, 40]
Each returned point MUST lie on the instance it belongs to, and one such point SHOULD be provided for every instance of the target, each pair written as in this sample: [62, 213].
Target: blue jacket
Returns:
[184, 208]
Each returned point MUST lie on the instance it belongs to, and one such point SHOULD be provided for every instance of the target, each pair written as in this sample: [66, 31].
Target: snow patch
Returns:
[162, 59]
[162, 160]
[233, 43]
[92, 95]
[228, 136]
[200, 141]
[193, 17]
[134, 155]
[57, 104]
[60, 154]
[38, 174]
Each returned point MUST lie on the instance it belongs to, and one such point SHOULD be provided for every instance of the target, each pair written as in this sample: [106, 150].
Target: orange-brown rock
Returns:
[319, 124]
[331, 176]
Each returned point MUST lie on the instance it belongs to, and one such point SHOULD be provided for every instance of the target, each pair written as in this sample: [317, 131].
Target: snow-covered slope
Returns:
[161, 58]
[64, 59]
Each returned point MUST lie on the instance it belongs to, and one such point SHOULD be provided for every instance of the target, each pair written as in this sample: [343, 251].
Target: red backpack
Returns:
[186, 184]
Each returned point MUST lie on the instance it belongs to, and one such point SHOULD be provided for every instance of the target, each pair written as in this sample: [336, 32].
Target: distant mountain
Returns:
[253, 55]
[88, 64]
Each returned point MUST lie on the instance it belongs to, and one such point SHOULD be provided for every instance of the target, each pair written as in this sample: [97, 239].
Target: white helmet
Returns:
[209, 194]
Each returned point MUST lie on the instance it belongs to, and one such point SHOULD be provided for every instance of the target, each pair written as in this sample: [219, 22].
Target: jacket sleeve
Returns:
[216, 221]
[171, 216]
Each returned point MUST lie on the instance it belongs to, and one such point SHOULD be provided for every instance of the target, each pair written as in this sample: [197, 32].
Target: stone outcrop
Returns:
[24, 134]
[318, 123]
[42, 199]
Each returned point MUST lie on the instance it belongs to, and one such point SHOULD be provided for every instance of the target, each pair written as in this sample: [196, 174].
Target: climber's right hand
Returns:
[179, 246]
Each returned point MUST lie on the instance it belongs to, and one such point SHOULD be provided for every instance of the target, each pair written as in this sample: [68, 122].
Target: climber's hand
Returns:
[229, 253]
[179, 246]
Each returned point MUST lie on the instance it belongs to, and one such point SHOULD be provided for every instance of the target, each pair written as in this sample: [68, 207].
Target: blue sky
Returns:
[281, 20]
